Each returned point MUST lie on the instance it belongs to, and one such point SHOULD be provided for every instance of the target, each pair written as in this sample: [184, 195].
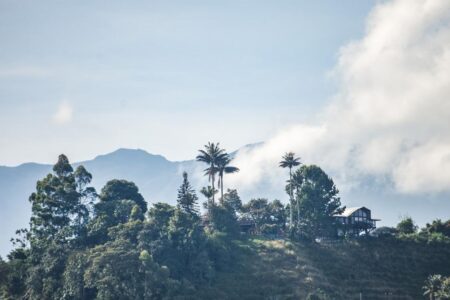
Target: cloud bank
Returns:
[390, 119]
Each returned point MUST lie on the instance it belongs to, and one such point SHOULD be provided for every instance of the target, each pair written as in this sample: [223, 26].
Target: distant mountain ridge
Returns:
[157, 178]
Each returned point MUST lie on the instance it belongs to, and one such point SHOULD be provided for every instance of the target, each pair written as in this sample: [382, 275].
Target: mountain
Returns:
[158, 180]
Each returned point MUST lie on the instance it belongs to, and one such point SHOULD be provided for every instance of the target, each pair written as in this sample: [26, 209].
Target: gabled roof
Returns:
[349, 211]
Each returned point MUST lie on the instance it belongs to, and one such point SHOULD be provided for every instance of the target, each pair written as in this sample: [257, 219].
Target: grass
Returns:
[280, 269]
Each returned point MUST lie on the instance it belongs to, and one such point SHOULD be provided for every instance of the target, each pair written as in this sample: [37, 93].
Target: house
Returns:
[354, 220]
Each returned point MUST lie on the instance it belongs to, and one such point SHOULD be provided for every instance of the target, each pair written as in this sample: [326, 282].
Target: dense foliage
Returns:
[111, 245]
[84, 245]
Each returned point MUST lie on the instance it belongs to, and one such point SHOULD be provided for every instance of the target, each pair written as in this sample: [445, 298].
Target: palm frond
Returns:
[289, 160]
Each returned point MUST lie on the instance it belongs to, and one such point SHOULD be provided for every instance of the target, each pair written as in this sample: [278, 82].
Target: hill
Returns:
[158, 179]
[376, 268]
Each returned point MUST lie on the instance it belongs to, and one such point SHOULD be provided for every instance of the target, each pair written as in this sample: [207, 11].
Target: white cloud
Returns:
[64, 113]
[391, 117]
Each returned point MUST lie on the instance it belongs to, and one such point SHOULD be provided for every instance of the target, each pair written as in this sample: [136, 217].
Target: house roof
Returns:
[349, 211]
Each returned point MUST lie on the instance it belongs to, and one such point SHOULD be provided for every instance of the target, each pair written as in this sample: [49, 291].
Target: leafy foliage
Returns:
[78, 249]
[317, 201]
[187, 199]
[406, 226]
[81, 245]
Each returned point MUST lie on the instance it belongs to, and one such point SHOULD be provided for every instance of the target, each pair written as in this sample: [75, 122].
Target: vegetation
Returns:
[289, 161]
[111, 245]
[406, 226]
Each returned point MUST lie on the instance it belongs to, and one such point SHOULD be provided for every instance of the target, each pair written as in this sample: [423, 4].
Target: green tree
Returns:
[73, 278]
[57, 210]
[209, 193]
[123, 190]
[187, 199]
[317, 202]
[120, 271]
[109, 214]
[13, 274]
[160, 214]
[257, 211]
[433, 286]
[87, 196]
[269, 217]
[231, 199]
[437, 226]
[223, 167]
[117, 201]
[211, 156]
[223, 219]
[406, 226]
[188, 241]
[57, 225]
[277, 213]
[290, 161]
[445, 288]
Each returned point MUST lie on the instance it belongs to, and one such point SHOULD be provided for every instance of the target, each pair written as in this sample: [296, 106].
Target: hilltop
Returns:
[112, 245]
[377, 268]
[158, 178]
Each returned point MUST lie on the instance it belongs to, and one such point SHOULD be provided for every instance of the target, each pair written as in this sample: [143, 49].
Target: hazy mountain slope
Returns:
[16, 185]
[158, 180]
[156, 177]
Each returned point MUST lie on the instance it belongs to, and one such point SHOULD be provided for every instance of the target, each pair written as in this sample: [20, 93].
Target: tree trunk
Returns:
[298, 210]
[213, 177]
[291, 215]
[221, 188]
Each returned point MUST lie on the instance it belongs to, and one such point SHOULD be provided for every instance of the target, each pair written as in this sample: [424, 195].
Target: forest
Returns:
[112, 244]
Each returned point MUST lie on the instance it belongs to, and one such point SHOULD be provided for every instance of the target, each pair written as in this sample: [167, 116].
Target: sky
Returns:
[88, 77]
[388, 123]
[360, 88]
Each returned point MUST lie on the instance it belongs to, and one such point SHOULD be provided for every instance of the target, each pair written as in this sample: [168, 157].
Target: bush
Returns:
[317, 295]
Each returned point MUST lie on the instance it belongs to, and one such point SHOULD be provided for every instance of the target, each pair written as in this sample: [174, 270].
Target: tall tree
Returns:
[295, 186]
[187, 199]
[211, 155]
[231, 199]
[123, 190]
[57, 225]
[257, 211]
[407, 226]
[223, 167]
[87, 195]
[290, 161]
[317, 201]
[56, 204]
[117, 201]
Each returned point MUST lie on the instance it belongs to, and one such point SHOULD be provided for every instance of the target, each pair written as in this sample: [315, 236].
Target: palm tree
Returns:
[208, 192]
[290, 161]
[432, 286]
[211, 156]
[224, 168]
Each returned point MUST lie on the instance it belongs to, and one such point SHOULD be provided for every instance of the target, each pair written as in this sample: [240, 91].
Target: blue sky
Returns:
[87, 77]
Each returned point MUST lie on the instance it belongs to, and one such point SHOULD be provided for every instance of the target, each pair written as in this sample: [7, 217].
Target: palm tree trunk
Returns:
[298, 209]
[213, 187]
[221, 188]
[292, 202]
